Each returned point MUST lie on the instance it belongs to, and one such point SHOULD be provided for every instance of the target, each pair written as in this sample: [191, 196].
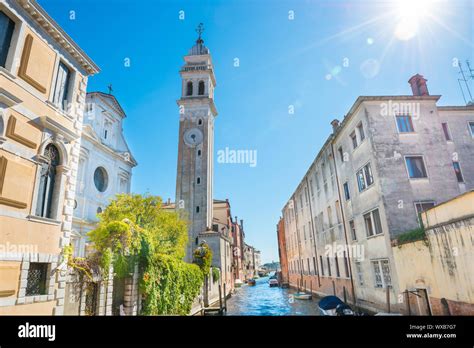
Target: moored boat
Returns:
[251, 282]
[302, 296]
[334, 306]
[238, 283]
[273, 282]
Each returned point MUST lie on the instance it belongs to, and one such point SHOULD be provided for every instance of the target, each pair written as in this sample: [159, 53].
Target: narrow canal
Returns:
[261, 299]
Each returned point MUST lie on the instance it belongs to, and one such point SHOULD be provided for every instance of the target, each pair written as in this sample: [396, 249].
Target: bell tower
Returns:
[194, 179]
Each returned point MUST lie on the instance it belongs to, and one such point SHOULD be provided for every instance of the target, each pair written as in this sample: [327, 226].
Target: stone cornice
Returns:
[39, 15]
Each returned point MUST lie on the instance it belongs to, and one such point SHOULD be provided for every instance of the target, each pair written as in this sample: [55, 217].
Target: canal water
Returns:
[261, 299]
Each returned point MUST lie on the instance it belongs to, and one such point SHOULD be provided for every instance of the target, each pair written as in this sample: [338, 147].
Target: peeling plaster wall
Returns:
[443, 263]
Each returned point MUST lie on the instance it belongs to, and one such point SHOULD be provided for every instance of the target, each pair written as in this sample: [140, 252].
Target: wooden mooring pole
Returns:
[388, 299]
[225, 299]
[220, 297]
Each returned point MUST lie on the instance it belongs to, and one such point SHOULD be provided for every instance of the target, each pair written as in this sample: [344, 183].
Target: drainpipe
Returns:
[343, 218]
[314, 236]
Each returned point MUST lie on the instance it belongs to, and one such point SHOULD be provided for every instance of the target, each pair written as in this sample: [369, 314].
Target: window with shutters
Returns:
[61, 86]
[6, 31]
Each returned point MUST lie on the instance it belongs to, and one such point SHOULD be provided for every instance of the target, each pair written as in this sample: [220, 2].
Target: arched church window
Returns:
[100, 179]
[189, 88]
[200, 121]
[197, 209]
[201, 88]
[199, 152]
[47, 182]
[198, 180]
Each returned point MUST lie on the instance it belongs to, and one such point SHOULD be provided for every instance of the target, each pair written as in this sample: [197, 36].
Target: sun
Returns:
[410, 14]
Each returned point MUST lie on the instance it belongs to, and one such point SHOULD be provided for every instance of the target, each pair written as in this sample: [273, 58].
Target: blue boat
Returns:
[334, 306]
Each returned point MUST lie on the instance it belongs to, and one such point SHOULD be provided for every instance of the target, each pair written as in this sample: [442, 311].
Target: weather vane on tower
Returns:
[200, 30]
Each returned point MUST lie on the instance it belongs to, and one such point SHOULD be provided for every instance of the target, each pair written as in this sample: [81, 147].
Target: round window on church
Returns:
[100, 179]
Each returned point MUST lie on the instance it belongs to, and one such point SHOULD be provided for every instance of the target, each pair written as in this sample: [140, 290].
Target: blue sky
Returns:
[319, 62]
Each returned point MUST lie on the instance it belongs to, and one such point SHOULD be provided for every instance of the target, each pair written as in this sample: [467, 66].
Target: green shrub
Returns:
[215, 274]
[412, 236]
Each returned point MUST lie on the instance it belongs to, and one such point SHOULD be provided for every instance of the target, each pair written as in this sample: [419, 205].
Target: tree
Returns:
[135, 230]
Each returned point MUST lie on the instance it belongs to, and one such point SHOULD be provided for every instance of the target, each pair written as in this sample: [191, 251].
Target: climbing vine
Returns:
[202, 256]
[134, 230]
[215, 274]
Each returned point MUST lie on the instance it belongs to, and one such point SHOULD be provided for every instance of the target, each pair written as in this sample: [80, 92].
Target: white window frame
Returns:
[411, 123]
[365, 177]
[71, 86]
[424, 164]
[471, 129]
[372, 220]
[384, 282]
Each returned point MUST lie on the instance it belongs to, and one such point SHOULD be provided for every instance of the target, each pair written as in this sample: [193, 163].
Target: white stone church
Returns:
[105, 165]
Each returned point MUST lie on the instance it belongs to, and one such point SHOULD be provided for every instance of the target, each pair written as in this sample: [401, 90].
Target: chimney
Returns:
[242, 223]
[418, 85]
[335, 124]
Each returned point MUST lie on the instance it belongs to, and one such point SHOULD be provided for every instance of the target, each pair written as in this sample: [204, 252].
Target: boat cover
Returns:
[329, 302]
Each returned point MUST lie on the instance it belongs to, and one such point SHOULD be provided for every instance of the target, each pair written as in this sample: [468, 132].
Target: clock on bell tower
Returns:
[194, 179]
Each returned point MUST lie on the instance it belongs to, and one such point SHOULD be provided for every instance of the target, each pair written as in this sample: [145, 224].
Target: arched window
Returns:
[200, 122]
[47, 182]
[189, 88]
[198, 181]
[201, 88]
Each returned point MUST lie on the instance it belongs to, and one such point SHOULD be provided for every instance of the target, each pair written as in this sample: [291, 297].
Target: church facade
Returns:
[105, 170]
[105, 165]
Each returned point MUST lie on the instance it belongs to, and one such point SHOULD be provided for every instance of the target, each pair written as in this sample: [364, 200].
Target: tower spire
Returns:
[199, 48]
[200, 30]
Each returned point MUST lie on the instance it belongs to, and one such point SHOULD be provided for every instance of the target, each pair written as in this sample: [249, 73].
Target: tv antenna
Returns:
[466, 76]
